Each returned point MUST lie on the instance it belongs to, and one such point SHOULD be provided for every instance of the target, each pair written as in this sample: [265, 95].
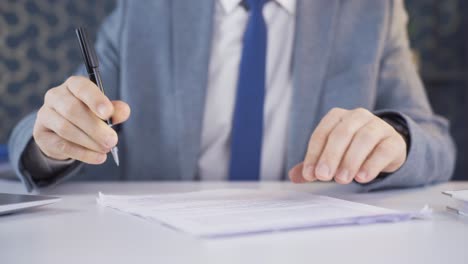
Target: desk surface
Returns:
[77, 230]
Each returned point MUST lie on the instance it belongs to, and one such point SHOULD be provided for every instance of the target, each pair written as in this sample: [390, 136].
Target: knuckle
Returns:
[79, 86]
[70, 80]
[362, 111]
[73, 81]
[80, 90]
[50, 95]
[335, 111]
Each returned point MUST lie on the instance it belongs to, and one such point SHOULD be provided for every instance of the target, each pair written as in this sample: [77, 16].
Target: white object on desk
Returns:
[227, 212]
[10, 203]
[461, 201]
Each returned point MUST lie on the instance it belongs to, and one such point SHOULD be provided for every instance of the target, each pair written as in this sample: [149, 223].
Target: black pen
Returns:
[92, 67]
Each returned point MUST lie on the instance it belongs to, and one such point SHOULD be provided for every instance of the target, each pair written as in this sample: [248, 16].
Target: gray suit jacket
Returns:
[347, 53]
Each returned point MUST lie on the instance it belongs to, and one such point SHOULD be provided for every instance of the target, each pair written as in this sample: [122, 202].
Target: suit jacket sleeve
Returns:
[431, 154]
[107, 47]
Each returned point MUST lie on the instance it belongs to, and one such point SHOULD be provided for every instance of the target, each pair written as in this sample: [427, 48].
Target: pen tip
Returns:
[115, 155]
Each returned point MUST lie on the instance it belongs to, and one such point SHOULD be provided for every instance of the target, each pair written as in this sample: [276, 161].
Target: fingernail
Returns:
[102, 110]
[308, 172]
[343, 175]
[322, 170]
[361, 175]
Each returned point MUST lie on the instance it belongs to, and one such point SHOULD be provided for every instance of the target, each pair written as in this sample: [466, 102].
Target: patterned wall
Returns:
[439, 33]
[436, 29]
[38, 49]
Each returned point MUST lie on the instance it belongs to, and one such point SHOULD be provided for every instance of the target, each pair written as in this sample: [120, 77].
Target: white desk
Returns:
[79, 231]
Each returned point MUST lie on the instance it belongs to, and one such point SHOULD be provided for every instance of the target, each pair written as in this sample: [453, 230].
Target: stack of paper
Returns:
[230, 212]
[461, 201]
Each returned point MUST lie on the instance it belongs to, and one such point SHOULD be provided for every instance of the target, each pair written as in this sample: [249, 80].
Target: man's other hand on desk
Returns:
[351, 145]
[69, 125]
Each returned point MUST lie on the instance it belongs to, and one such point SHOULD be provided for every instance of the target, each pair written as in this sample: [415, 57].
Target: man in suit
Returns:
[244, 90]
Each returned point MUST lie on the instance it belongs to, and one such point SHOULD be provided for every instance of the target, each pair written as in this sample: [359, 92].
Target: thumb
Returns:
[295, 174]
[121, 112]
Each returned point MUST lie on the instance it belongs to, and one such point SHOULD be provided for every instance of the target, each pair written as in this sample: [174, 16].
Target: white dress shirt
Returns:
[230, 22]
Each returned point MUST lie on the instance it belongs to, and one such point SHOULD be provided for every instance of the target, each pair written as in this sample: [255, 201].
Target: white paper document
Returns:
[228, 212]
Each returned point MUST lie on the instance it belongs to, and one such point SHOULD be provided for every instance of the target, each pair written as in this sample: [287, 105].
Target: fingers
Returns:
[349, 145]
[318, 140]
[121, 112]
[66, 130]
[338, 141]
[295, 174]
[75, 111]
[379, 160]
[363, 143]
[58, 148]
[88, 93]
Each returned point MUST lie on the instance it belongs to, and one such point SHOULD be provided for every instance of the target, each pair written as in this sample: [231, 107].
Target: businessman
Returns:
[321, 90]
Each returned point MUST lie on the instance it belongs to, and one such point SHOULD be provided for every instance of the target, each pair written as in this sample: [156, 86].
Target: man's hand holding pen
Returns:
[69, 124]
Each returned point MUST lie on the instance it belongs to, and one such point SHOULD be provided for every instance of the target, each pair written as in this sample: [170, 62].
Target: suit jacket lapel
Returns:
[191, 37]
[315, 24]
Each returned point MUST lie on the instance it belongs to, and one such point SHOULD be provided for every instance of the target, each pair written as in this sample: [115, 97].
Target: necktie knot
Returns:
[255, 5]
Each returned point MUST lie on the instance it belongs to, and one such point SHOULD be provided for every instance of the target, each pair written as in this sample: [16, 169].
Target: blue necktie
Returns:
[247, 123]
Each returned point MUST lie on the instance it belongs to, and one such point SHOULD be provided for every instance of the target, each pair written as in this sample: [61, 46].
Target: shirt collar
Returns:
[230, 5]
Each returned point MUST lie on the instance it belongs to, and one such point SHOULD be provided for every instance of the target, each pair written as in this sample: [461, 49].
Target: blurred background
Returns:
[38, 50]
